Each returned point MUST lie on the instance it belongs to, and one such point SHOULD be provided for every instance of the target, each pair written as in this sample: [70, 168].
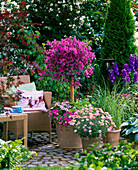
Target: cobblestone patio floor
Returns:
[48, 153]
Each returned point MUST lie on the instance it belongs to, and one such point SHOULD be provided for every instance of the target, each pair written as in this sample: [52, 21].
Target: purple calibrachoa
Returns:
[67, 59]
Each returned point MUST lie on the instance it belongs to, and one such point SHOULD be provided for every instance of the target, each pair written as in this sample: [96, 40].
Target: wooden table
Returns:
[14, 117]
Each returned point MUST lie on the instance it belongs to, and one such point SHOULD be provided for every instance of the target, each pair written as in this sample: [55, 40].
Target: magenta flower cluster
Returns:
[60, 112]
[67, 59]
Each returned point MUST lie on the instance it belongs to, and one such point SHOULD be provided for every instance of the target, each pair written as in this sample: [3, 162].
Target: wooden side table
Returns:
[14, 117]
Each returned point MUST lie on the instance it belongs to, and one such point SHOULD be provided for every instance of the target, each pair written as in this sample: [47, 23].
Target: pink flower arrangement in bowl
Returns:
[60, 112]
[91, 122]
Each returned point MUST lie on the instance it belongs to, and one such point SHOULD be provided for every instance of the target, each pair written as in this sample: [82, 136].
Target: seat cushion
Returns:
[31, 100]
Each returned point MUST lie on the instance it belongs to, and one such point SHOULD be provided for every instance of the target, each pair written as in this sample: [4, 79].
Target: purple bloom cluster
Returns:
[132, 62]
[132, 67]
[67, 58]
[113, 72]
[125, 76]
[115, 68]
[136, 64]
[126, 66]
[112, 75]
[135, 77]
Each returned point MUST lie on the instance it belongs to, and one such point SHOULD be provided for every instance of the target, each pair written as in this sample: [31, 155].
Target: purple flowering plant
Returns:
[91, 122]
[129, 73]
[60, 112]
[67, 59]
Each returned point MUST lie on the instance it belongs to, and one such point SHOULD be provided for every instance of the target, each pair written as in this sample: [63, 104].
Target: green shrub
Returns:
[110, 101]
[123, 157]
[13, 153]
[60, 19]
[130, 128]
[118, 38]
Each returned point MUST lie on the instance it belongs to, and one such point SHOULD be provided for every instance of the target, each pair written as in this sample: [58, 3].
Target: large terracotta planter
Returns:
[67, 138]
[86, 142]
[112, 137]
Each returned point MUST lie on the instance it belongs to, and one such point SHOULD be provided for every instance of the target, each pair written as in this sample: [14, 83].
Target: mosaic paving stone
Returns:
[48, 154]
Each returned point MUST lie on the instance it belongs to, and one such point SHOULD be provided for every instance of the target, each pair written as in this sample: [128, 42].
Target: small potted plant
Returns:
[60, 115]
[91, 124]
[116, 103]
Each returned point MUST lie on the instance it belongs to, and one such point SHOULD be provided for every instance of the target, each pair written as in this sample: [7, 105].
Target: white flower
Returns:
[14, 3]
[3, 3]
[2, 9]
[9, 10]
[27, 6]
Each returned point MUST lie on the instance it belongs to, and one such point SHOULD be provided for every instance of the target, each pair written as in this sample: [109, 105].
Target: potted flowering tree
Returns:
[91, 124]
[60, 114]
[67, 59]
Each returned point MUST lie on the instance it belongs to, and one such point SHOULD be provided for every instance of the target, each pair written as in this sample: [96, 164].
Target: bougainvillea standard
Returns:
[67, 59]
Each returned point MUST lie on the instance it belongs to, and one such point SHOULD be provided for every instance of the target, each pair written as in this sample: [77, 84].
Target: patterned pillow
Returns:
[31, 100]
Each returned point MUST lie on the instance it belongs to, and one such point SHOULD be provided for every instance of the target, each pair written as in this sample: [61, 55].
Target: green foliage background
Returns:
[60, 19]
[118, 38]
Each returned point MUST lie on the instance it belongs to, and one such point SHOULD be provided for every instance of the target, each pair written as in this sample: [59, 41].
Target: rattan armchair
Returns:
[37, 120]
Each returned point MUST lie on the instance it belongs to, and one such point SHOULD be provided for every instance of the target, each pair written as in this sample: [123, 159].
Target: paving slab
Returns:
[48, 154]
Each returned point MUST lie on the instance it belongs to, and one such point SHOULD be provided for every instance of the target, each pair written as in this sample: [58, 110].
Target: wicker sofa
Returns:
[37, 120]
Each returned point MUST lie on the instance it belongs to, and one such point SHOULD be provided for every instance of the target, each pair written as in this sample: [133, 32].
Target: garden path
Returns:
[48, 154]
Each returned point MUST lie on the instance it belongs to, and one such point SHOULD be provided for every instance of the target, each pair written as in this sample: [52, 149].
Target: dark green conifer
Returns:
[118, 38]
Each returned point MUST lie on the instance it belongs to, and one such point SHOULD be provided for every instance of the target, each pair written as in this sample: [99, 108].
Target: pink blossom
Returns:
[100, 135]
[78, 123]
[67, 59]
[91, 123]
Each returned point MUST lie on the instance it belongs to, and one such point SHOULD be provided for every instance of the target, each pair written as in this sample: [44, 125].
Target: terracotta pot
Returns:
[112, 137]
[86, 142]
[67, 138]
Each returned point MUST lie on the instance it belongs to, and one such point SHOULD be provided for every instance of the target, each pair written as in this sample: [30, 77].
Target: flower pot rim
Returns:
[117, 130]
[91, 138]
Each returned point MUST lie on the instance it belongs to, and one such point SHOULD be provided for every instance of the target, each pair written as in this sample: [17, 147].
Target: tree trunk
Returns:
[71, 92]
